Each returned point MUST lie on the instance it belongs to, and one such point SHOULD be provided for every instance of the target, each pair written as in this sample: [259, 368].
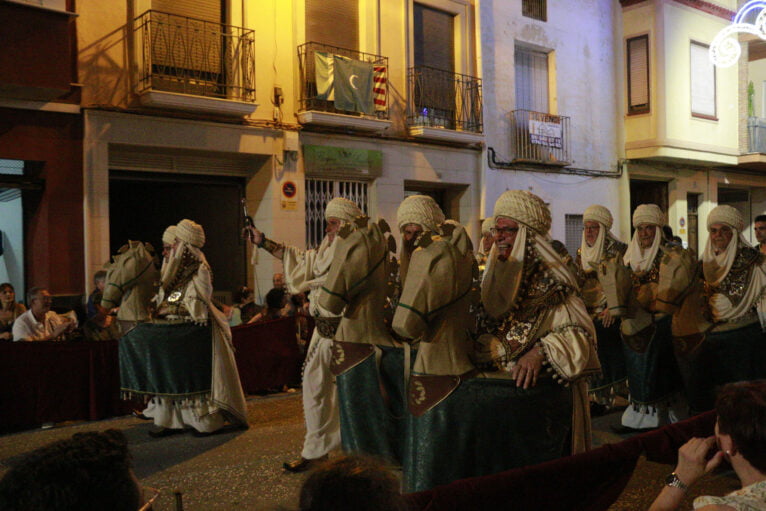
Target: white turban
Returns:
[421, 210]
[169, 236]
[648, 214]
[726, 215]
[342, 209]
[600, 214]
[190, 232]
[487, 225]
[526, 208]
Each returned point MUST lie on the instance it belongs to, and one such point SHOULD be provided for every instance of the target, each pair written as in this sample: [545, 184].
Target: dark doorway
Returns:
[142, 205]
[648, 192]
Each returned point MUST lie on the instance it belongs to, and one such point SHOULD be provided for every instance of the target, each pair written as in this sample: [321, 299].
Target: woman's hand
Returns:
[606, 318]
[693, 462]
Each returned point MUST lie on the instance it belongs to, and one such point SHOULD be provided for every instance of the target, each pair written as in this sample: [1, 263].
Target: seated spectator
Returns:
[94, 300]
[275, 302]
[278, 281]
[40, 323]
[740, 439]
[10, 309]
[244, 300]
[87, 471]
[351, 483]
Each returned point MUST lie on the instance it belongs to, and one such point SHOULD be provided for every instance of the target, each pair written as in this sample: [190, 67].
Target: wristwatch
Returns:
[675, 482]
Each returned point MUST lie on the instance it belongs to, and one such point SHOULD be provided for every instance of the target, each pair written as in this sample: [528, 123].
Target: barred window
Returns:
[321, 191]
[535, 9]
[573, 233]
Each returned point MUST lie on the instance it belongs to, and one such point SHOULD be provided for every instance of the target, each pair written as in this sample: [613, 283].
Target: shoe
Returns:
[624, 430]
[302, 464]
[163, 432]
[139, 415]
[203, 434]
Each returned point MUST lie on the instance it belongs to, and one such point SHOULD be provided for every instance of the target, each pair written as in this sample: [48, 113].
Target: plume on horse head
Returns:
[130, 281]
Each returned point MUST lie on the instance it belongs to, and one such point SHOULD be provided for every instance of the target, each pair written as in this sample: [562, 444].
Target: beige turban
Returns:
[726, 215]
[600, 214]
[421, 210]
[487, 225]
[343, 209]
[648, 214]
[190, 232]
[169, 236]
[524, 207]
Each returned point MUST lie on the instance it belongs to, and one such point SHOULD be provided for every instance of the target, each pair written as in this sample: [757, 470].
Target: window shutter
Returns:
[208, 10]
[434, 31]
[702, 81]
[573, 233]
[531, 80]
[333, 22]
[638, 74]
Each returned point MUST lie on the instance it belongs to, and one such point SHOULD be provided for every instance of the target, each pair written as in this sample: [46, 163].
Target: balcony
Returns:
[540, 138]
[195, 65]
[444, 106]
[320, 80]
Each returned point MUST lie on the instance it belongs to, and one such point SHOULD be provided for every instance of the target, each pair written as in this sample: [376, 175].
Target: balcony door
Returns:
[434, 59]
[531, 80]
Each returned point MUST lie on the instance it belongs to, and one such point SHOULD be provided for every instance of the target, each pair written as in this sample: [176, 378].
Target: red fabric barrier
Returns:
[50, 381]
[267, 354]
[590, 481]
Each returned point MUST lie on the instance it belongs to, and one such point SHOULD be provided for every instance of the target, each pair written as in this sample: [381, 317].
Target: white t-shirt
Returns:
[27, 328]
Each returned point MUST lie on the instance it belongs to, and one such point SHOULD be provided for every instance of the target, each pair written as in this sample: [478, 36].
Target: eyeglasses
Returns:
[503, 230]
[149, 496]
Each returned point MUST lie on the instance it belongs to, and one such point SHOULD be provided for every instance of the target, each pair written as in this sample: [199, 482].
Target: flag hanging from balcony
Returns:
[379, 87]
[353, 85]
[323, 69]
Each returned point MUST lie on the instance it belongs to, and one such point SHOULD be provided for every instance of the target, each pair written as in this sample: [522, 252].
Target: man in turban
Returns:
[529, 288]
[653, 377]
[598, 261]
[416, 214]
[485, 243]
[184, 357]
[735, 282]
[306, 270]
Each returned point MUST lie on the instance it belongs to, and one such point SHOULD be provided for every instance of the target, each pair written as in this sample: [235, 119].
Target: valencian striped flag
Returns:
[379, 86]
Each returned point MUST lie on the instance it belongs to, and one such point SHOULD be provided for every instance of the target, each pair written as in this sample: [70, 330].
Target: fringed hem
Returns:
[197, 400]
[652, 408]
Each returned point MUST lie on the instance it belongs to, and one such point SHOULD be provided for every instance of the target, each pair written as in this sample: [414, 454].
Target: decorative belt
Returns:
[733, 324]
[327, 326]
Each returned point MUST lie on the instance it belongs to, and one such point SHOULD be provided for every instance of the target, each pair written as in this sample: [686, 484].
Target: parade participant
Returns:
[306, 271]
[735, 281]
[193, 384]
[760, 232]
[528, 286]
[485, 243]
[654, 381]
[598, 262]
[416, 213]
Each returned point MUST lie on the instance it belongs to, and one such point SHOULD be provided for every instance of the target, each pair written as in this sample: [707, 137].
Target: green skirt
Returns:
[373, 421]
[172, 361]
[486, 426]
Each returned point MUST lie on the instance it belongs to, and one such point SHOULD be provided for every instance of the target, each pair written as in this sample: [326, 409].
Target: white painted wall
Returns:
[581, 34]
[12, 260]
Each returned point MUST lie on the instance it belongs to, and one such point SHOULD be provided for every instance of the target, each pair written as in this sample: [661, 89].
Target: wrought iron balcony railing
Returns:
[538, 137]
[193, 56]
[443, 99]
[311, 99]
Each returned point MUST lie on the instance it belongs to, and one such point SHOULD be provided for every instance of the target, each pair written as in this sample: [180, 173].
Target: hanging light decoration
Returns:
[725, 48]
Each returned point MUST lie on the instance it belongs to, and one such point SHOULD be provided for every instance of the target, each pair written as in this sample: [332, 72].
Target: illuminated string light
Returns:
[725, 49]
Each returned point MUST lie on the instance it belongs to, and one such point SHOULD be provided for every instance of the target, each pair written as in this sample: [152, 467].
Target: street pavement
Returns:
[243, 469]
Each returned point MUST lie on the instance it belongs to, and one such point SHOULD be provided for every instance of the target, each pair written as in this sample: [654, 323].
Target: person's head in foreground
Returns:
[351, 483]
[89, 471]
[740, 439]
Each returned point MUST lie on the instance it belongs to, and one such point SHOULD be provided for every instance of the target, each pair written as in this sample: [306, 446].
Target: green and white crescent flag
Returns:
[353, 85]
[323, 69]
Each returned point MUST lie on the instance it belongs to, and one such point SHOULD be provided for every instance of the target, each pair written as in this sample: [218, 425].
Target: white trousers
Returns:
[168, 416]
[320, 400]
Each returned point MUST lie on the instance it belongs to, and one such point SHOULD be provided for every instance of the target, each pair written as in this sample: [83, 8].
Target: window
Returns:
[324, 25]
[535, 9]
[638, 74]
[531, 80]
[573, 233]
[702, 82]
[321, 191]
